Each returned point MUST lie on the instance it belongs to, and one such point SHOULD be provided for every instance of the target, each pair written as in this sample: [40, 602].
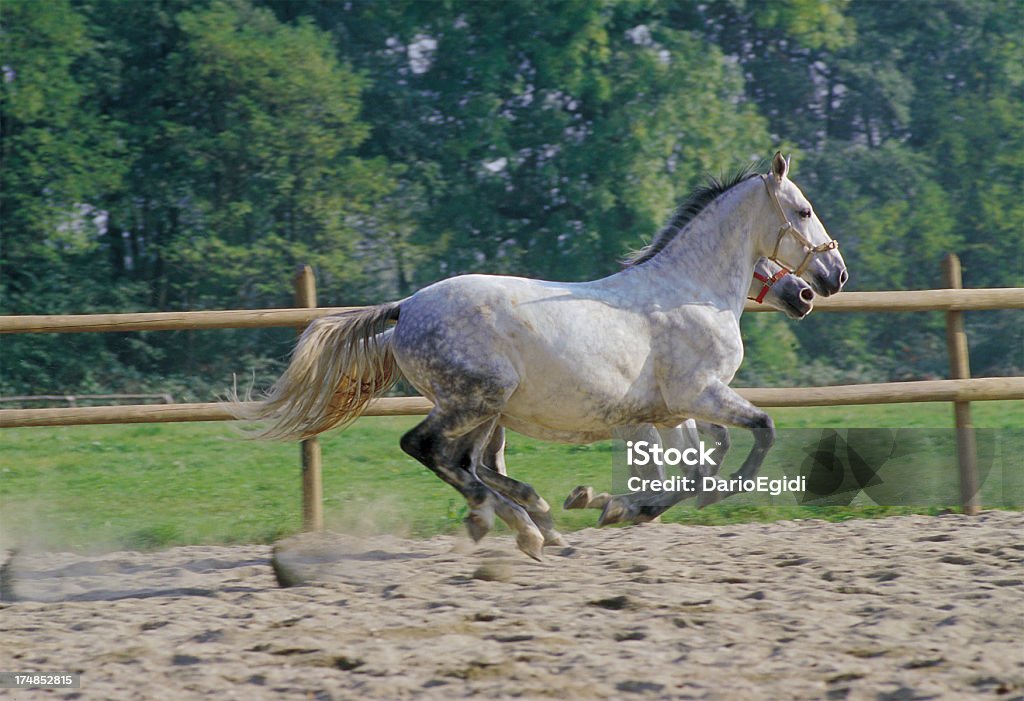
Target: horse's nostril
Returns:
[807, 294]
[843, 277]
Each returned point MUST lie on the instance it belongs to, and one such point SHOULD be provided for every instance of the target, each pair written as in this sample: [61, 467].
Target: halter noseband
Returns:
[788, 228]
[767, 283]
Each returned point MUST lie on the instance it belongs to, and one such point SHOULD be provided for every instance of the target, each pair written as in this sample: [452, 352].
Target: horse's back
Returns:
[482, 313]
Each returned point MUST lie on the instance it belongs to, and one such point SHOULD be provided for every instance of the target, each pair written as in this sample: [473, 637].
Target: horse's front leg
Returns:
[721, 405]
[717, 404]
[644, 506]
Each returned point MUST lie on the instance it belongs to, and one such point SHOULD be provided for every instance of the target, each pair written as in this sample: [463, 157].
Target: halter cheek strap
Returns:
[768, 283]
[787, 227]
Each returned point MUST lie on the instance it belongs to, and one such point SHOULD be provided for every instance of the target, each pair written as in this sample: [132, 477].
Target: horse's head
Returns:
[800, 242]
[775, 286]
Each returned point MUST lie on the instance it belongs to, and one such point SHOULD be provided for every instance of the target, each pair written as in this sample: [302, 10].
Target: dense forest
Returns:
[188, 154]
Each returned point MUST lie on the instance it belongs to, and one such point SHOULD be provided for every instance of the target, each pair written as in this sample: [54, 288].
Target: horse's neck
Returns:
[712, 260]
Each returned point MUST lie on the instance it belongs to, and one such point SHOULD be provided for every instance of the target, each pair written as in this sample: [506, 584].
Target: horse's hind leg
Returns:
[523, 511]
[495, 454]
[449, 447]
[520, 492]
[526, 497]
[427, 443]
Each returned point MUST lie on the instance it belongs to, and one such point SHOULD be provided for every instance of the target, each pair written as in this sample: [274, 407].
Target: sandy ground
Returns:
[894, 609]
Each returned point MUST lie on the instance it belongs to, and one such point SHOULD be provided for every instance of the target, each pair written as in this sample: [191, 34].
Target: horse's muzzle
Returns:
[833, 283]
[801, 306]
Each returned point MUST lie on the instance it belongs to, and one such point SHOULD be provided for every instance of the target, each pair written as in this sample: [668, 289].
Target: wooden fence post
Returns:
[960, 369]
[312, 485]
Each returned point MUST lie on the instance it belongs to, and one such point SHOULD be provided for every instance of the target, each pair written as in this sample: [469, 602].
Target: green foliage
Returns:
[267, 128]
[569, 132]
[182, 154]
[907, 121]
[235, 160]
[812, 23]
[59, 155]
[771, 350]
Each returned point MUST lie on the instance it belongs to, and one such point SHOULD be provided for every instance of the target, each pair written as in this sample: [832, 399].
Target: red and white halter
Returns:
[767, 283]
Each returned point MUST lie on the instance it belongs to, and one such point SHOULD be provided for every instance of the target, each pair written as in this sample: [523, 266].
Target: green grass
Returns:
[150, 486]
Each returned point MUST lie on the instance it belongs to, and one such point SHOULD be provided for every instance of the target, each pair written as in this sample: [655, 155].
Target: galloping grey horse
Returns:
[656, 343]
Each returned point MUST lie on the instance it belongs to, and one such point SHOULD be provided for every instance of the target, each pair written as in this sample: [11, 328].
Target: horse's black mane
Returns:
[700, 198]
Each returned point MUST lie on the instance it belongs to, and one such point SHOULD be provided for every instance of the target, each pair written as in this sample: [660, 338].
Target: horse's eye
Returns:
[805, 213]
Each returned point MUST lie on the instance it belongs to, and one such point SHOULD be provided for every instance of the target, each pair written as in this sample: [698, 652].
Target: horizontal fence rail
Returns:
[979, 389]
[960, 391]
[888, 301]
[165, 321]
[73, 399]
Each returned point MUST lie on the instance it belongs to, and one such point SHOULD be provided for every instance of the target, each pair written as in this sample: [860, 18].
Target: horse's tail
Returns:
[340, 363]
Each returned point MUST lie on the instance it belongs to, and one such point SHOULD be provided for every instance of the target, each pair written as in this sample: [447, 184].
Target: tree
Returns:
[181, 154]
[246, 162]
[236, 136]
[907, 120]
[58, 158]
[546, 138]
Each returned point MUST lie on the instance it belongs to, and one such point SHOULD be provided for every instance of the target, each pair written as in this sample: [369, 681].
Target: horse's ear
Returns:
[780, 166]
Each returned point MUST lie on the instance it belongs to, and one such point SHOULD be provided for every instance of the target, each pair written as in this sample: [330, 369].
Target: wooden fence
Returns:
[72, 400]
[960, 390]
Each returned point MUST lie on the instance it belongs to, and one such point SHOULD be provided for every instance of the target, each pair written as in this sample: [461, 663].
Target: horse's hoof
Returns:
[554, 538]
[579, 498]
[477, 526]
[531, 542]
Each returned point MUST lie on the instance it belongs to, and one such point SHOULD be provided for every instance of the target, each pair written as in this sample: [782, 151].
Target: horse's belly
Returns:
[545, 433]
[563, 403]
